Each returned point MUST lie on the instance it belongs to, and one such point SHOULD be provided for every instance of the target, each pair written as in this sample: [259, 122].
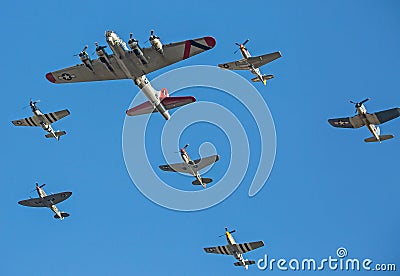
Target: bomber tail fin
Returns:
[381, 138]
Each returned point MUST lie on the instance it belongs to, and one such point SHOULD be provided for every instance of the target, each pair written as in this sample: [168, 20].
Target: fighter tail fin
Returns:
[63, 215]
[204, 180]
[381, 138]
[58, 134]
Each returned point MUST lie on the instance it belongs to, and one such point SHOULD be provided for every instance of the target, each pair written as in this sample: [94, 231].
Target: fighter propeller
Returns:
[226, 230]
[357, 105]
[244, 43]
[31, 103]
[37, 186]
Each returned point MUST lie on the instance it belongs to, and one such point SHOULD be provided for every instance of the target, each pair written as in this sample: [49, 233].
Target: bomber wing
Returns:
[81, 73]
[173, 53]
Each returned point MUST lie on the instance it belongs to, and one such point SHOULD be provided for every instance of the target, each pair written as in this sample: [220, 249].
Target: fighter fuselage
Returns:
[362, 111]
[42, 194]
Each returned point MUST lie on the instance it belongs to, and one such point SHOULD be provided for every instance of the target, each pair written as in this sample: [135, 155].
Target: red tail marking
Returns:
[164, 93]
[186, 52]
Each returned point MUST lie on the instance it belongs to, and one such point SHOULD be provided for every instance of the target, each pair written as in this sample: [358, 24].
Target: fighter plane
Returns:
[235, 249]
[48, 201]
[363, 118]
[251, 63]
[133, 64]
[43, 120]
[192, 166]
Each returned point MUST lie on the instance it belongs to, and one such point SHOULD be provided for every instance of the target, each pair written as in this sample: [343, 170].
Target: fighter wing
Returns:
[383, 116]
[224, 249]
[248, 246]
[174, 52]
[81, 73]
[30, 121]
[204, 162]
[57, 198]
[264, 59]
[33, 202]
[244, 64]
[349, 122]
[179, 167]
[241, 64]
[48, 118]
[55, 116]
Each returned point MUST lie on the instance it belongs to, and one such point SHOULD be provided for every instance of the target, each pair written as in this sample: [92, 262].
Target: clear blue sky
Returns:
[327, 188]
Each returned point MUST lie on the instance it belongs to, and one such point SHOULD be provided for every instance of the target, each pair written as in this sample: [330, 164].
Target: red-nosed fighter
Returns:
[48, 201]
[192, 166]
[134, 63]
[235, 249]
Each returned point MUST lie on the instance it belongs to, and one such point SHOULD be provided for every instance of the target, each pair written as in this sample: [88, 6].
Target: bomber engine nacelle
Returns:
[134, 45]
[156, 42]
[103, 56]
[84, 57]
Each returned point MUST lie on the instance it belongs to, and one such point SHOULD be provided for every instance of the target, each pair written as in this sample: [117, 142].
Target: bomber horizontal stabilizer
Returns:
[381, 138]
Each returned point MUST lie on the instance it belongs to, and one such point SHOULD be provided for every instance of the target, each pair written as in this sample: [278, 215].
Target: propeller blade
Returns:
[186, 146]
[151, 32]
[233, 231]
[353, 102]
[236, 51]
[130, 35]
[237, 44]
[367, 99]
[41, 186]
[85, 48]
[244, 43]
